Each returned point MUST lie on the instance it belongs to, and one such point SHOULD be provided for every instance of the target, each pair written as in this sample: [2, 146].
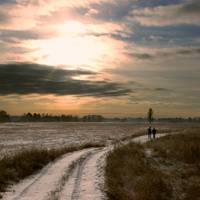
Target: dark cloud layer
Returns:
[20, 2]
[191, 7]
[173, 33]
[155, 3]
[112, 11]
[118, 10]
[170, 35]
[7, 2]
[22, 78]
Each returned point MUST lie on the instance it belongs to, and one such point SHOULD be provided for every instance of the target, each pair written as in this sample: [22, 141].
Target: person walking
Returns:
[149, 132]
[154, 133]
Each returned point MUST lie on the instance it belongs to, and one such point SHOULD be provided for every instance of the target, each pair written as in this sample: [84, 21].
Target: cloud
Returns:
[178, 52]
[188, 51]
[162, 54]
[115, 11]
[191, 7]
[142, 56]
[110, 11]
[18, 50]
[185, 13]
[155, 3]
[21, 2]
[9, 35]
[2, 2]
[169, 35]
[24, 78]
[162, 89]
[4, 18]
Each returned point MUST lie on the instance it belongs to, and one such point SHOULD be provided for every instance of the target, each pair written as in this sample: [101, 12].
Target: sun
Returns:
[70, 50]
[74, 46]
[74, 27]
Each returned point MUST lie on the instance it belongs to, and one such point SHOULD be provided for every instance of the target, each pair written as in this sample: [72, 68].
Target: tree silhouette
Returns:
[150, 115]
[4, 117]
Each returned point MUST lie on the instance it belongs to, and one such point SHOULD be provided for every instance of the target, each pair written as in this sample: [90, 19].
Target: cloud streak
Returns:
[23, 78]
[2, 2]
[185, 13]
[158, 54]
[7, 35]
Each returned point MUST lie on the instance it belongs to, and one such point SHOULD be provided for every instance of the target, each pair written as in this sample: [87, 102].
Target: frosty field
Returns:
[17, 136]
[75, 175]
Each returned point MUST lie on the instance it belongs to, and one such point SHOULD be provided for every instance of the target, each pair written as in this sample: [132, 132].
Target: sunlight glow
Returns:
[73, 27]
[71, 50]
[72, 46]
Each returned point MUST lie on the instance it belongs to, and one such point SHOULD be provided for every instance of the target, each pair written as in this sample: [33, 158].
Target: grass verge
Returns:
[179, 157]
[25, 163]
[170, 171]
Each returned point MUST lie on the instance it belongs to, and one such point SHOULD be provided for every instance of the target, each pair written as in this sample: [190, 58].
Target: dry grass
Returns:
[179, 156]
[25, 163]
[182, 147]
[130, 177]
[170, 172]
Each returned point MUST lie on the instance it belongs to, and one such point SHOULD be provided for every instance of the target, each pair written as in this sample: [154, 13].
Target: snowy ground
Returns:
[19, 136]
[75, 176]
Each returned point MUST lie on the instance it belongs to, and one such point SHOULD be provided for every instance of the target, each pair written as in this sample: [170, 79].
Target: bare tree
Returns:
[150, 115]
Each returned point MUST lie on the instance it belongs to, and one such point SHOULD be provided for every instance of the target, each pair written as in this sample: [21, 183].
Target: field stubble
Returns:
[165, 169]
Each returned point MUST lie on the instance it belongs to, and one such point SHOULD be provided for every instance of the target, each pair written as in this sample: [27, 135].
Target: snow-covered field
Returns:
[75, 176]
[17, 136]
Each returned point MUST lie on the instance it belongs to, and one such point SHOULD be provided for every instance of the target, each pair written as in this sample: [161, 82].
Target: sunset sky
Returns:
[109, 57]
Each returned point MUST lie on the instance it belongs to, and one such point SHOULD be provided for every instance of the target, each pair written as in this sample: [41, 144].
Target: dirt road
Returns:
[75, 176]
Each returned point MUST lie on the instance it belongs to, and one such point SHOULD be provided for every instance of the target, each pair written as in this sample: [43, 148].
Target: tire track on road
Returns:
[75, 176]
[40, 188]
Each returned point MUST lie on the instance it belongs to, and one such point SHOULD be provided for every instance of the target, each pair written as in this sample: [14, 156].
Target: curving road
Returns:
[75, 176]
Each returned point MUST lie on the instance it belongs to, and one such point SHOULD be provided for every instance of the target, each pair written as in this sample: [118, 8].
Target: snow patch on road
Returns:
[75, 176]
[41, 187]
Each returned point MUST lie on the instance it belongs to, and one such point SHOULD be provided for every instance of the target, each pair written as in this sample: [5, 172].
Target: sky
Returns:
[108, 57]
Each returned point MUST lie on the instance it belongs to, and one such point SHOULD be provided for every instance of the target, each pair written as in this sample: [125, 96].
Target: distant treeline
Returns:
[38, 117]
[63, 118]
[179, 119]
[169, 119]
